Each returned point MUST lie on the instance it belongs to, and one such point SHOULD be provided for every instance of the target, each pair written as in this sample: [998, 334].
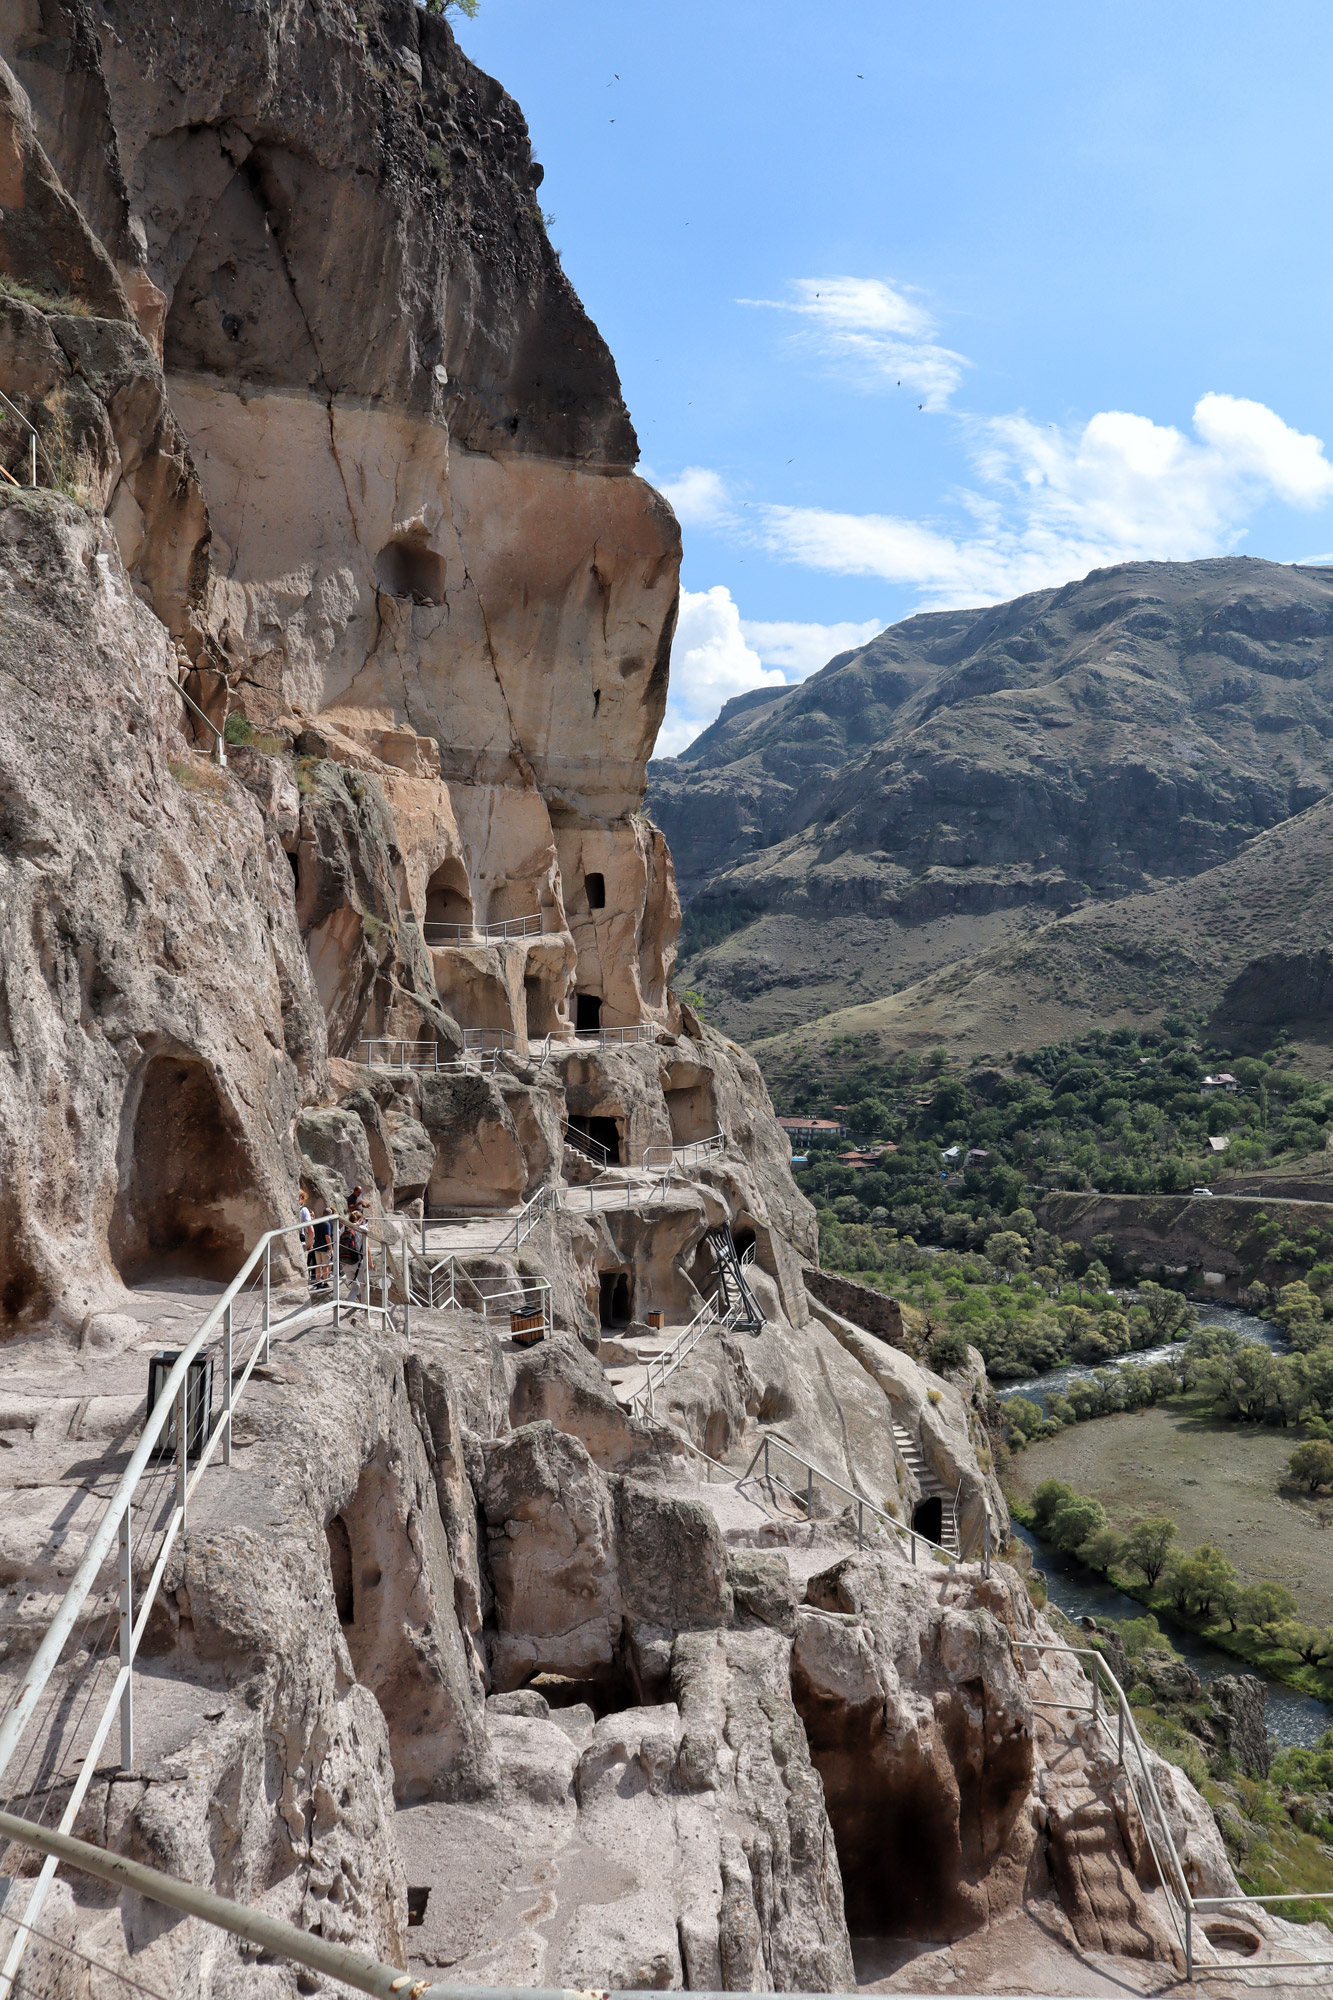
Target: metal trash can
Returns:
[528, 1327]
[198, 1402]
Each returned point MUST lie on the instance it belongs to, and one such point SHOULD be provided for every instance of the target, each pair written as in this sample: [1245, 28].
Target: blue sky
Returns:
[921, 304]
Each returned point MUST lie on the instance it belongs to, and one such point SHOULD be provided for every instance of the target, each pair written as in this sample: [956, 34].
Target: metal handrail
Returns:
[486, 1039]
[695, 1150]
[31, 428]
[1127, 1731]
[583, 1142]
[411, 1055]
[542, 1203]
[255, 1281]
[659, 1370]
[424, 1057]
[506, 927]
[813, 1471]
[188, 698]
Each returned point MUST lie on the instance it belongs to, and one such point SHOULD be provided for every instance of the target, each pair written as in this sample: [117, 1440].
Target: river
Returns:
[1081, 1592]
[1055, 1382]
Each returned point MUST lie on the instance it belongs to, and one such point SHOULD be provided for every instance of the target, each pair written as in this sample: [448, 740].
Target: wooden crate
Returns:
[527, 1328]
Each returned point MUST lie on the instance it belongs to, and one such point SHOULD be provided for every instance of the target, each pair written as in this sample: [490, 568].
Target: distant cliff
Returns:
[970, 773]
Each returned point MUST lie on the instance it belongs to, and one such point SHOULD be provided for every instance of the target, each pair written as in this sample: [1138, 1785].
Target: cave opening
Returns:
[615, 1300]
[513, 901]
[340, 1567]
[605, 1131]
[743, 1239]
[540, 1010]
[895, 1823]
[449, 896]
[928, 1518]
[406, 568]
[692, 1112]
[587, 1013]
[417, 1902]
[185, 1196]
[595, 888]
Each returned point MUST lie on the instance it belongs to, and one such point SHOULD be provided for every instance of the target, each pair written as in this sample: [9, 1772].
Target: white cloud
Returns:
[710, 662]
[802, 649]
[699, 497]
[1057, 503]
[873, 332]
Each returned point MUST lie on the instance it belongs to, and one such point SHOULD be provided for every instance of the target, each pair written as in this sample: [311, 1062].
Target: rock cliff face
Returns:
[968, 775]
[507, 1663]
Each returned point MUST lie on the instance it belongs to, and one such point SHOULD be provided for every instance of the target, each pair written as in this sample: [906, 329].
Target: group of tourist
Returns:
[319, 1233]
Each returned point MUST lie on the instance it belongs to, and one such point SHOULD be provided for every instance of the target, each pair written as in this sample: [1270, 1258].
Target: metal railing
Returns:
[478, 1041]
[583, 1142]
[1182, 1904]
[56, 1701]
[603, 1191]
[34, 443]
[220, 741]
[507, 927]
[775, 1442]
[383, 1052]
[663, 1366]
[424, 1058]
[446, 1286]
[637, 1031]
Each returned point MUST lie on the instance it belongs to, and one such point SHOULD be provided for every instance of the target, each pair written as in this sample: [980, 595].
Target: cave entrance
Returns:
[513, 902]
[743, 1239]
[539, 1005]
[405, 568]
[928, 1518]
[186, 1192]
[691, 1111]
[595, 889]
[587, 1013]
[615, 1301]
[449, 897]
[340, 1566]
[606, 1132]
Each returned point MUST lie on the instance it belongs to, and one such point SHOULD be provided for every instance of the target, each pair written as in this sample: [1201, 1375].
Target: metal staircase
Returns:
[736, 1303]
[932, 1487]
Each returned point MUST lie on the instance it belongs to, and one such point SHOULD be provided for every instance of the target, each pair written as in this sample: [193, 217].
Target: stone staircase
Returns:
[931, 1486]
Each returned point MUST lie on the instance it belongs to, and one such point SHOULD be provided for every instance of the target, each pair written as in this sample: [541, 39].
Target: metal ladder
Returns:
[737, 1304]
[931, 1485]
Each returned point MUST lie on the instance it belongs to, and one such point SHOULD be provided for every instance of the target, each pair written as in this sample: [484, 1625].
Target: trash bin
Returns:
[198, 1402]
[528, 1327]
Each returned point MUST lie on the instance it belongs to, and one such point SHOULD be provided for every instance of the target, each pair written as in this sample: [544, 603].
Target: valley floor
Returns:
[1219, 1482]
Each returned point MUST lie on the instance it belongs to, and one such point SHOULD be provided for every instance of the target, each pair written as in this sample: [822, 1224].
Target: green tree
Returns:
[1199, 1580]
[1103, 1550]
[1265, 1605]
[1052, 1493]
[1311, 1464]
[1169, 1315]
[1023, 1419]
[1007, 1249]
[1310, 1644]
[1076, 1521]
[1148, 1546]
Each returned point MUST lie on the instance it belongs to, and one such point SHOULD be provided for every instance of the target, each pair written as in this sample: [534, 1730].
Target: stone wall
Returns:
[865, 1307]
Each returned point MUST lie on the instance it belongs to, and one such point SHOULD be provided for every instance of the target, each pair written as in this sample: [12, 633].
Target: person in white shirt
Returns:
[307, 1234]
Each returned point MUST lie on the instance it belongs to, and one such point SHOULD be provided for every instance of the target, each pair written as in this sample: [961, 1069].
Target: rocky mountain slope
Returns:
[594, 1604]
[968, 775]
[1248, 945]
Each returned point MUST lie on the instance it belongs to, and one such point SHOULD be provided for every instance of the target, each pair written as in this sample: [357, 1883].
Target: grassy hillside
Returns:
[1247, 946]
[969, 772]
